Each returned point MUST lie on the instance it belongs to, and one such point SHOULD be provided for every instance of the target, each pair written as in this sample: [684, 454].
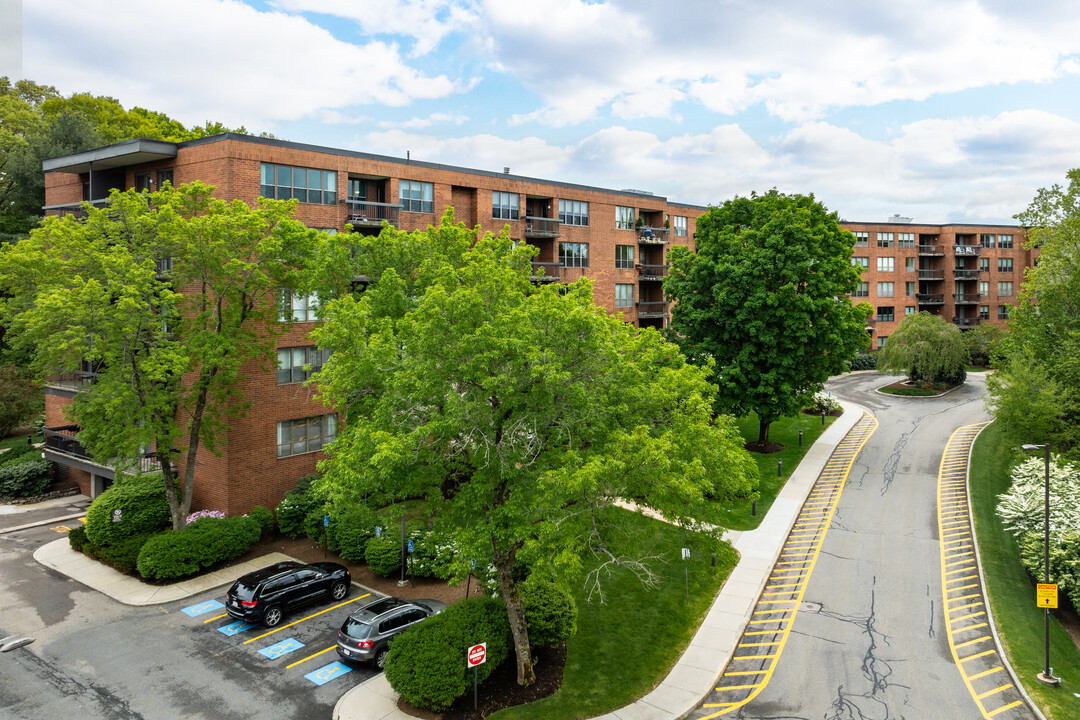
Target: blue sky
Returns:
[937, 110]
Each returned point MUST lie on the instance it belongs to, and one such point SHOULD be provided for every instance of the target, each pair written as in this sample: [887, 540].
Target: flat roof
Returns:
[122, 154]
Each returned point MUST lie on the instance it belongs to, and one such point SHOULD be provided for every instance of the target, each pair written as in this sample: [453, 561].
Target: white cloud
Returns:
[419, 123]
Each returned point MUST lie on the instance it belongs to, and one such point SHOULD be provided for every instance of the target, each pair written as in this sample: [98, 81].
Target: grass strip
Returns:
[922, 392]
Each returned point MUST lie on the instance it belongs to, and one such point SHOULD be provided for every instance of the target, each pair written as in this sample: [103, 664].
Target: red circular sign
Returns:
[477, 654]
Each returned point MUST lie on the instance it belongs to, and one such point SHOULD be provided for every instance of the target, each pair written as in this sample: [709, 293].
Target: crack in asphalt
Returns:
[932, 632]
[113, 706]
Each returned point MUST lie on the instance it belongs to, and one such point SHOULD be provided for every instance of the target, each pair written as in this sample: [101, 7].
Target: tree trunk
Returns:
[179, 516]
[763, 430]
[515, 611]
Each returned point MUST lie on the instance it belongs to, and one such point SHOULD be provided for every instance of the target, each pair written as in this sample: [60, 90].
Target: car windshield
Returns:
[355, 629]
[242, 591]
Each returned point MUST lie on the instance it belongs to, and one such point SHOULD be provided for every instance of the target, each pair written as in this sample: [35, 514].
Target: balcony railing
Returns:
[538, 227]
[966, 321]
[930, 298]
[966, 298]
[652, 272]
[932, 250]
[931, 275]
[72, 380]
[546, 271]
[652, 235]
[362, 212]
[966, 273]
[966, 250]
[652, 309]
[76, 208]
[63, 440]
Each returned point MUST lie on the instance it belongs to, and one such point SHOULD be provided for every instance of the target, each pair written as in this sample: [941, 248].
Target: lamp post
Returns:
[1045, 676]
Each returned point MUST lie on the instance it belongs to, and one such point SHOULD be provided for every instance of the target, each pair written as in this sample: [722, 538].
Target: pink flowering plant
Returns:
[204, 514]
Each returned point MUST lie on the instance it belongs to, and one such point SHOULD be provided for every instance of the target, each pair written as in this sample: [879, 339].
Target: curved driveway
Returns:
[870, 639]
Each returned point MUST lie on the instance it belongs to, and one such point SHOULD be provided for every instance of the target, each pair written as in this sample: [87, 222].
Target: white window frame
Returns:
[297, 307]
[886, 289]
[679, 225]
[416, 196]
[624, 295]
[886, 264]
[624, 217]
[505, 206]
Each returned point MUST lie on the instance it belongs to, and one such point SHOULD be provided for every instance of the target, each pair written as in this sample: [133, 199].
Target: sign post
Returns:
[686, 567]
[474, 658]
[1046, 595]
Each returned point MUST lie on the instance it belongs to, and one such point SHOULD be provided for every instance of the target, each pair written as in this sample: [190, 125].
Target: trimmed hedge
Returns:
[349, 532]
[383, 555]
[25, 479]
[426, 664]
[550, 613]
[122, 555]
[77, 538]
[143, 509]
[864, 361]
[204, 543]
[265, 518]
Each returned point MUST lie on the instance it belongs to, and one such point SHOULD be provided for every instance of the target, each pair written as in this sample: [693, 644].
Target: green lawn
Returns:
[1012, 595]
[626, 646]
[17, 440]
[785, 432]
[921, 392]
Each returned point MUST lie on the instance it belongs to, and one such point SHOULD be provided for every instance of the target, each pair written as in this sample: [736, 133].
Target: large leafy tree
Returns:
[765, 298]
[926, 349]
[520, 413]
[166, 295]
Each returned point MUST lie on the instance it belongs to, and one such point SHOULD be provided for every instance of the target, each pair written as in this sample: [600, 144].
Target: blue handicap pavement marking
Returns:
[203, 607]
[237, 627]
[278, 649]
[327, 673]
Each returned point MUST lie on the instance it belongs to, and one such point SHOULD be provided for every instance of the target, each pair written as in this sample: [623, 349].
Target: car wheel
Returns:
[272, 616]
[339, 590]
[380, 658]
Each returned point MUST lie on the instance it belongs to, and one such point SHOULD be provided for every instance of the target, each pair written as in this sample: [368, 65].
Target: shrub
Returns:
[19, 453]
[314, 527]
[142, 504]
[349, 531]
[383, 555]
[433, 553]
[1064, 561]
[77, 538]
[202, 544]
[19, 399]
[550, 613]
[25, 479]
[265, 518]
[123, 554]
[296, 505]
[426, 664]
[864, 361]
[204, 514]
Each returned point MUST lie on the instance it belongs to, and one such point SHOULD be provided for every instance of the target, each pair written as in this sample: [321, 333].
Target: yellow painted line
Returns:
[731, 687]
[745, 672]
[991, 671]
[965, 617]
[756, 644]
[312, 656]
[976, 626]
[763, 632]
[972, 554]
[965, 607]
[297, 622]
[995, 691]
[1004, 708]
[963, 587]
[984, 653]
[965, 597]
[774, 602]
[752, 657]
[972, 642]
[216, 618]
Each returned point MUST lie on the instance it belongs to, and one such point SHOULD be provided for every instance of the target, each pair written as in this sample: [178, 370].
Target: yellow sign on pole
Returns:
[1046, 596]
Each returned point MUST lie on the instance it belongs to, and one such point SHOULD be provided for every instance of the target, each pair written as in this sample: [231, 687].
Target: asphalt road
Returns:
[869, 640]
[95, 658]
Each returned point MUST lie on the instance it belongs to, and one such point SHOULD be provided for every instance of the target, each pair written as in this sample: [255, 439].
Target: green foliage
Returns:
[297, 504]
[141, 504]
[20, 399]
[1064, 561]
[351, 526]
[121, 555]
[864, 361]
[426, 664]
[77, 538]
[757, 303]
[433, 554]
[550, 612]
[1021, 509]
[204, 543]
[1027, 402]
[21, 453]
[927, 349]
[913, 392]
[383, 555]
[25, 479]
[265, 518]
[982, 343]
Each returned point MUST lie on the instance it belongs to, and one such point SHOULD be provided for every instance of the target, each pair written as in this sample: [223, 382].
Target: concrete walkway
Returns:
[698, 670]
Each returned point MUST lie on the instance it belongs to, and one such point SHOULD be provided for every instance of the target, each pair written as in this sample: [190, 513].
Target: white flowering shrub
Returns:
[433, 552]
[1021, 508]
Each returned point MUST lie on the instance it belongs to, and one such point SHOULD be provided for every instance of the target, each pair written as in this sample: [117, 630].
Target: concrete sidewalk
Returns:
[47, 512]
[698, 670]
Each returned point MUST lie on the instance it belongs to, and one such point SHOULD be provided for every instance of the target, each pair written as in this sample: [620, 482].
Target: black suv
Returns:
[366, 634]
[265, 595]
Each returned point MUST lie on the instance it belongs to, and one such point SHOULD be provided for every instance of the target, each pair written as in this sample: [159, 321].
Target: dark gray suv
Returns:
[366, 634]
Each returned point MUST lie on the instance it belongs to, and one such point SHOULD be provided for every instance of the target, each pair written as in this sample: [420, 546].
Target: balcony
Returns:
[652, 309]
[651, 272]
[652, 235]
[966, 298]
[371, 214]
[930, 298]
[546, 272]
[966, 322]
[63, 446]
[966, 250]
[931, 275]
[932, 250]
[966, 273]
[538, 227]
[77, 209]
[77, 380]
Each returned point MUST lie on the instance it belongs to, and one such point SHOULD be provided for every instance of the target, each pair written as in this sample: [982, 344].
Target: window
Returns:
[1003, 312]
[504, 206]
[984, 287]
[863, 290]
[573, 212]
[884, 240]
[909, 264]
[862, 239]
[881, 342]
[885, 314]
[909, 289]
[1005, 288]
[987, 241]
[984, 264]
[357, 189]
[884, 289]
[164, 176]
[905, 240]
[574, 254]
[863, 262]
[624, 256]
[1005, 242]
[296, 307]
[143, 182]
[305, 435]
[885, 264]
[909, 310]
[624, 218]
[306, 185]
[416, 196]
[984, 312]
[624, 295]
[678, 222]
[291, 362]
[1005, 265]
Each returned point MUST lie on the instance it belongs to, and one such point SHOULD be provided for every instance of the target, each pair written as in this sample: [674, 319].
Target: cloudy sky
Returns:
[939, 110]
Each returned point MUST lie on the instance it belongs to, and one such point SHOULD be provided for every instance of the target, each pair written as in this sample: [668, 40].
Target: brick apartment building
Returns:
[619, 239]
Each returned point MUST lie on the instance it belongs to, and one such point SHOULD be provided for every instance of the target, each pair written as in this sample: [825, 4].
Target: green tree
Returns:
[166, 295]
[1025, 401]
[20, 399]
[926, 349]
[765, 297]
[520, 413]
[982, 343]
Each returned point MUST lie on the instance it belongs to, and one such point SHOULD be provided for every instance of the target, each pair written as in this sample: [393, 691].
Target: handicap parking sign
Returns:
[327, 673]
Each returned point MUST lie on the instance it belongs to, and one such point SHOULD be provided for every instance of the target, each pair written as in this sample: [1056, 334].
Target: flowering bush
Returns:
[433, 553]
[1021, 508]
[204, 514]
